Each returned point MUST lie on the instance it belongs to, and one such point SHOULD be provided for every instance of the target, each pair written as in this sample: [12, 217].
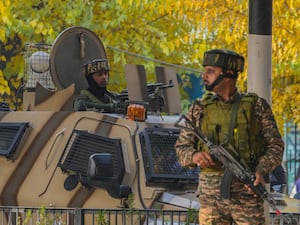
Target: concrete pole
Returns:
[260, 57]
[260, 48]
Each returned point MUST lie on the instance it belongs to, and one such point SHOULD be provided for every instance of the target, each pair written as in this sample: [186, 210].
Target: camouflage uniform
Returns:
[242, 207]
[87, 101]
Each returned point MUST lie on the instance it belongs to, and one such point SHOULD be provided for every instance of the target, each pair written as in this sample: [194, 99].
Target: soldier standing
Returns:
[96, 97]
[245, 121]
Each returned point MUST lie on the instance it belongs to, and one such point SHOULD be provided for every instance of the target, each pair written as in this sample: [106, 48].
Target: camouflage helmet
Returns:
[96, 65]
[226, 59]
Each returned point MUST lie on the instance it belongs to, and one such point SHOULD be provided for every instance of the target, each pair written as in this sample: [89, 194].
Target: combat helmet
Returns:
[96, 65]
[226, 59]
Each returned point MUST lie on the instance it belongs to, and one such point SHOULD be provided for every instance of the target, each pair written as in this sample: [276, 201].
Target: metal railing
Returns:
[79, 216]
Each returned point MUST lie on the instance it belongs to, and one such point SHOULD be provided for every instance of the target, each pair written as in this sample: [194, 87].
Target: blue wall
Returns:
[196, 89]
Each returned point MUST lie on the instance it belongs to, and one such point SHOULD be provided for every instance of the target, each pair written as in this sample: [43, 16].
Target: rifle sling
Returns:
[232, 123]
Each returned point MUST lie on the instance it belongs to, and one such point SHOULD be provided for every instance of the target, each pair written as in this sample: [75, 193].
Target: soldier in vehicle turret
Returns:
[96, 97]
[243, 120]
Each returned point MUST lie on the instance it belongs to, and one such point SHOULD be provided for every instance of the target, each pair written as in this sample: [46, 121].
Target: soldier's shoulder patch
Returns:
[251, 94]
[249, 97]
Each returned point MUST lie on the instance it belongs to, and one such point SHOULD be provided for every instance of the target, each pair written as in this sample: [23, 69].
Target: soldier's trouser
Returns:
[242, 208]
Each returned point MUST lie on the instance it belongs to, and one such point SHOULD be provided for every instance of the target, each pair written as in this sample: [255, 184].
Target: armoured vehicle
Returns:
[54, 156]
[62, 159]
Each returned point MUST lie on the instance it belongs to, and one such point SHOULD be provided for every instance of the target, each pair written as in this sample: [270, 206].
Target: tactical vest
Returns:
[244, 132]
[92, 98]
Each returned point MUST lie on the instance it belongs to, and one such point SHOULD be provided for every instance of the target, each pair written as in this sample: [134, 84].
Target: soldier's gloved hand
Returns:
[80, 106]
[110, 107]
[119, 108]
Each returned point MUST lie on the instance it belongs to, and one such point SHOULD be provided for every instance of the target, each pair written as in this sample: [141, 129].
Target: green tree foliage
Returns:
[176, 32]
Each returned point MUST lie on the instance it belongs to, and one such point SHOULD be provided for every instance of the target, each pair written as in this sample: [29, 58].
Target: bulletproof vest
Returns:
[93, 98]
[225, 123]
[92, 103]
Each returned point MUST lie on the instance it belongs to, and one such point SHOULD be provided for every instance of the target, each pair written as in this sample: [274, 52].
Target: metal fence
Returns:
[75, 216]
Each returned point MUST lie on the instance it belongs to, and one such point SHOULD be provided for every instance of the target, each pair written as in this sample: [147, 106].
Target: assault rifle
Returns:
[152, 88]
[233, 167]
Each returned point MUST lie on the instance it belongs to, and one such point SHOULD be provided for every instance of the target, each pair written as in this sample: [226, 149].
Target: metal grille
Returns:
[160, 160]
[10, 137]
[78, 216]
[37, 66]
[82, 145]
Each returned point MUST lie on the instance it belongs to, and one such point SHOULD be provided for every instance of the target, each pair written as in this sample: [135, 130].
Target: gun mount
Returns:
[156, 99]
